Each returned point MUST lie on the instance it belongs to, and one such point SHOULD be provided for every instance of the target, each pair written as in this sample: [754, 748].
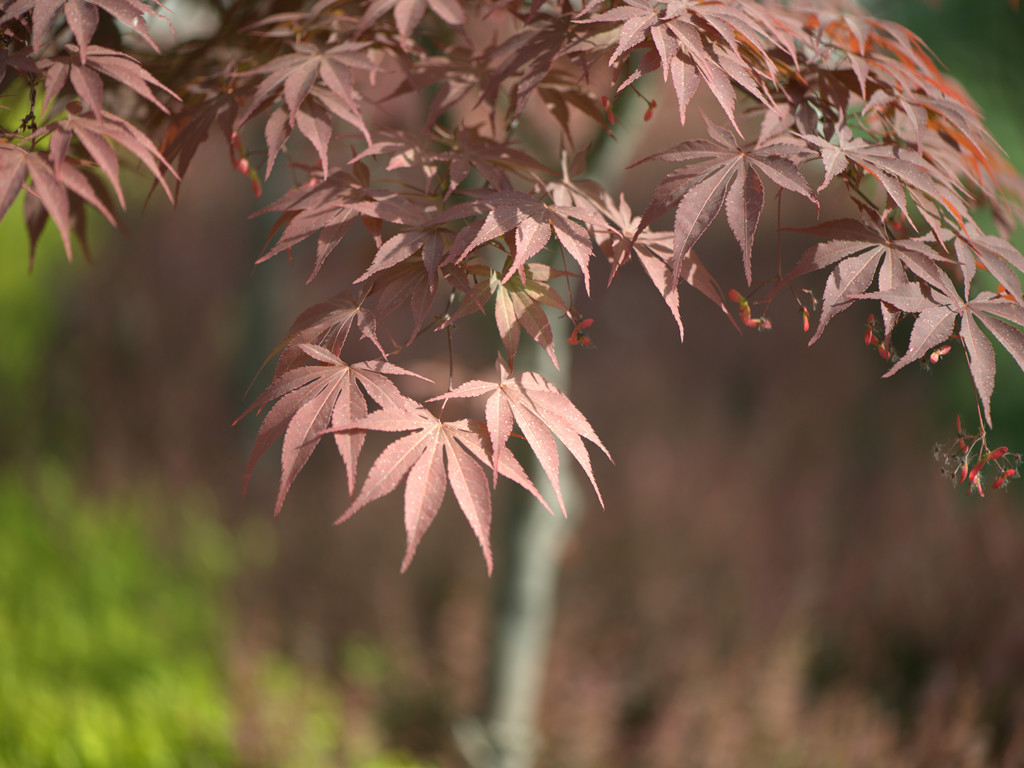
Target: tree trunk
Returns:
[527, 597]
[527, 581]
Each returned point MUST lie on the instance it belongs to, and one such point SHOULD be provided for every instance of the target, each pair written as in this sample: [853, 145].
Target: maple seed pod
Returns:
[976, 484]
[737, 296]
[998, 453]
[938, 353]
[577, 336]
[1003, 478]
[650, 111]
[807, 319]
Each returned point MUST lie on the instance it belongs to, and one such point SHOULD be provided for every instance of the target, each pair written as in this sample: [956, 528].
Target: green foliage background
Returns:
[107, 641]
[113, 639]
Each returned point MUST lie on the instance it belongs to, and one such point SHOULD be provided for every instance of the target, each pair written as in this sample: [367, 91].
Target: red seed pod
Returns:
[577, 336]
[869, 338]
[959, 429]
[938, 353]
[884, 352]
[737, 296]
[807, 319]
[976, 484]
[1003, 478]
[998, 453]
[650, 111]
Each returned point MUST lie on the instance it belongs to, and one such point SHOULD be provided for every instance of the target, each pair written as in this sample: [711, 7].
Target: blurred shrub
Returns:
[109, 643]
[115, 649]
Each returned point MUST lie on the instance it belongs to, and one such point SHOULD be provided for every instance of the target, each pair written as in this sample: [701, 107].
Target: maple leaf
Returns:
[542, 413]
[998, 257]
[937, 314]
[430, 243]
[495, 161]
[313, 398]
[325, 210]
[82, 17]
[722, 45]
[405, 286]
[719, 173]
[897, 169]
[992, 312]
[518, 304]
[13, 171]
[623, 238]
[328, 325]
[859, 249]
[436, 454]
[85, 77]
[57, 182]
[533, 223]
[409, 13]
[95, 133]
[295, 77]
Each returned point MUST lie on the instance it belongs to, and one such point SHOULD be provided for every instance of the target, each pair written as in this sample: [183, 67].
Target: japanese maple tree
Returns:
[413, 121]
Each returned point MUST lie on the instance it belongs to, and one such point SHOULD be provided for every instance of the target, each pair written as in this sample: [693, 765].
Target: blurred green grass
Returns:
[109, 645]
[114, 642]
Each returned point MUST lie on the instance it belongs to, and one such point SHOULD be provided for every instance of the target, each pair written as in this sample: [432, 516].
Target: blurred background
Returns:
[780, 577]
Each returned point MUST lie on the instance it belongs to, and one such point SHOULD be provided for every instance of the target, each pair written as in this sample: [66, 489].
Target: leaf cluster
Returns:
[417, 123]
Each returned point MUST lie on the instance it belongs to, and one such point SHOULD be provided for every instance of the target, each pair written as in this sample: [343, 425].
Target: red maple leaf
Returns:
[542, 413]
[435, 455]
[718, 173]
[312, 399]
